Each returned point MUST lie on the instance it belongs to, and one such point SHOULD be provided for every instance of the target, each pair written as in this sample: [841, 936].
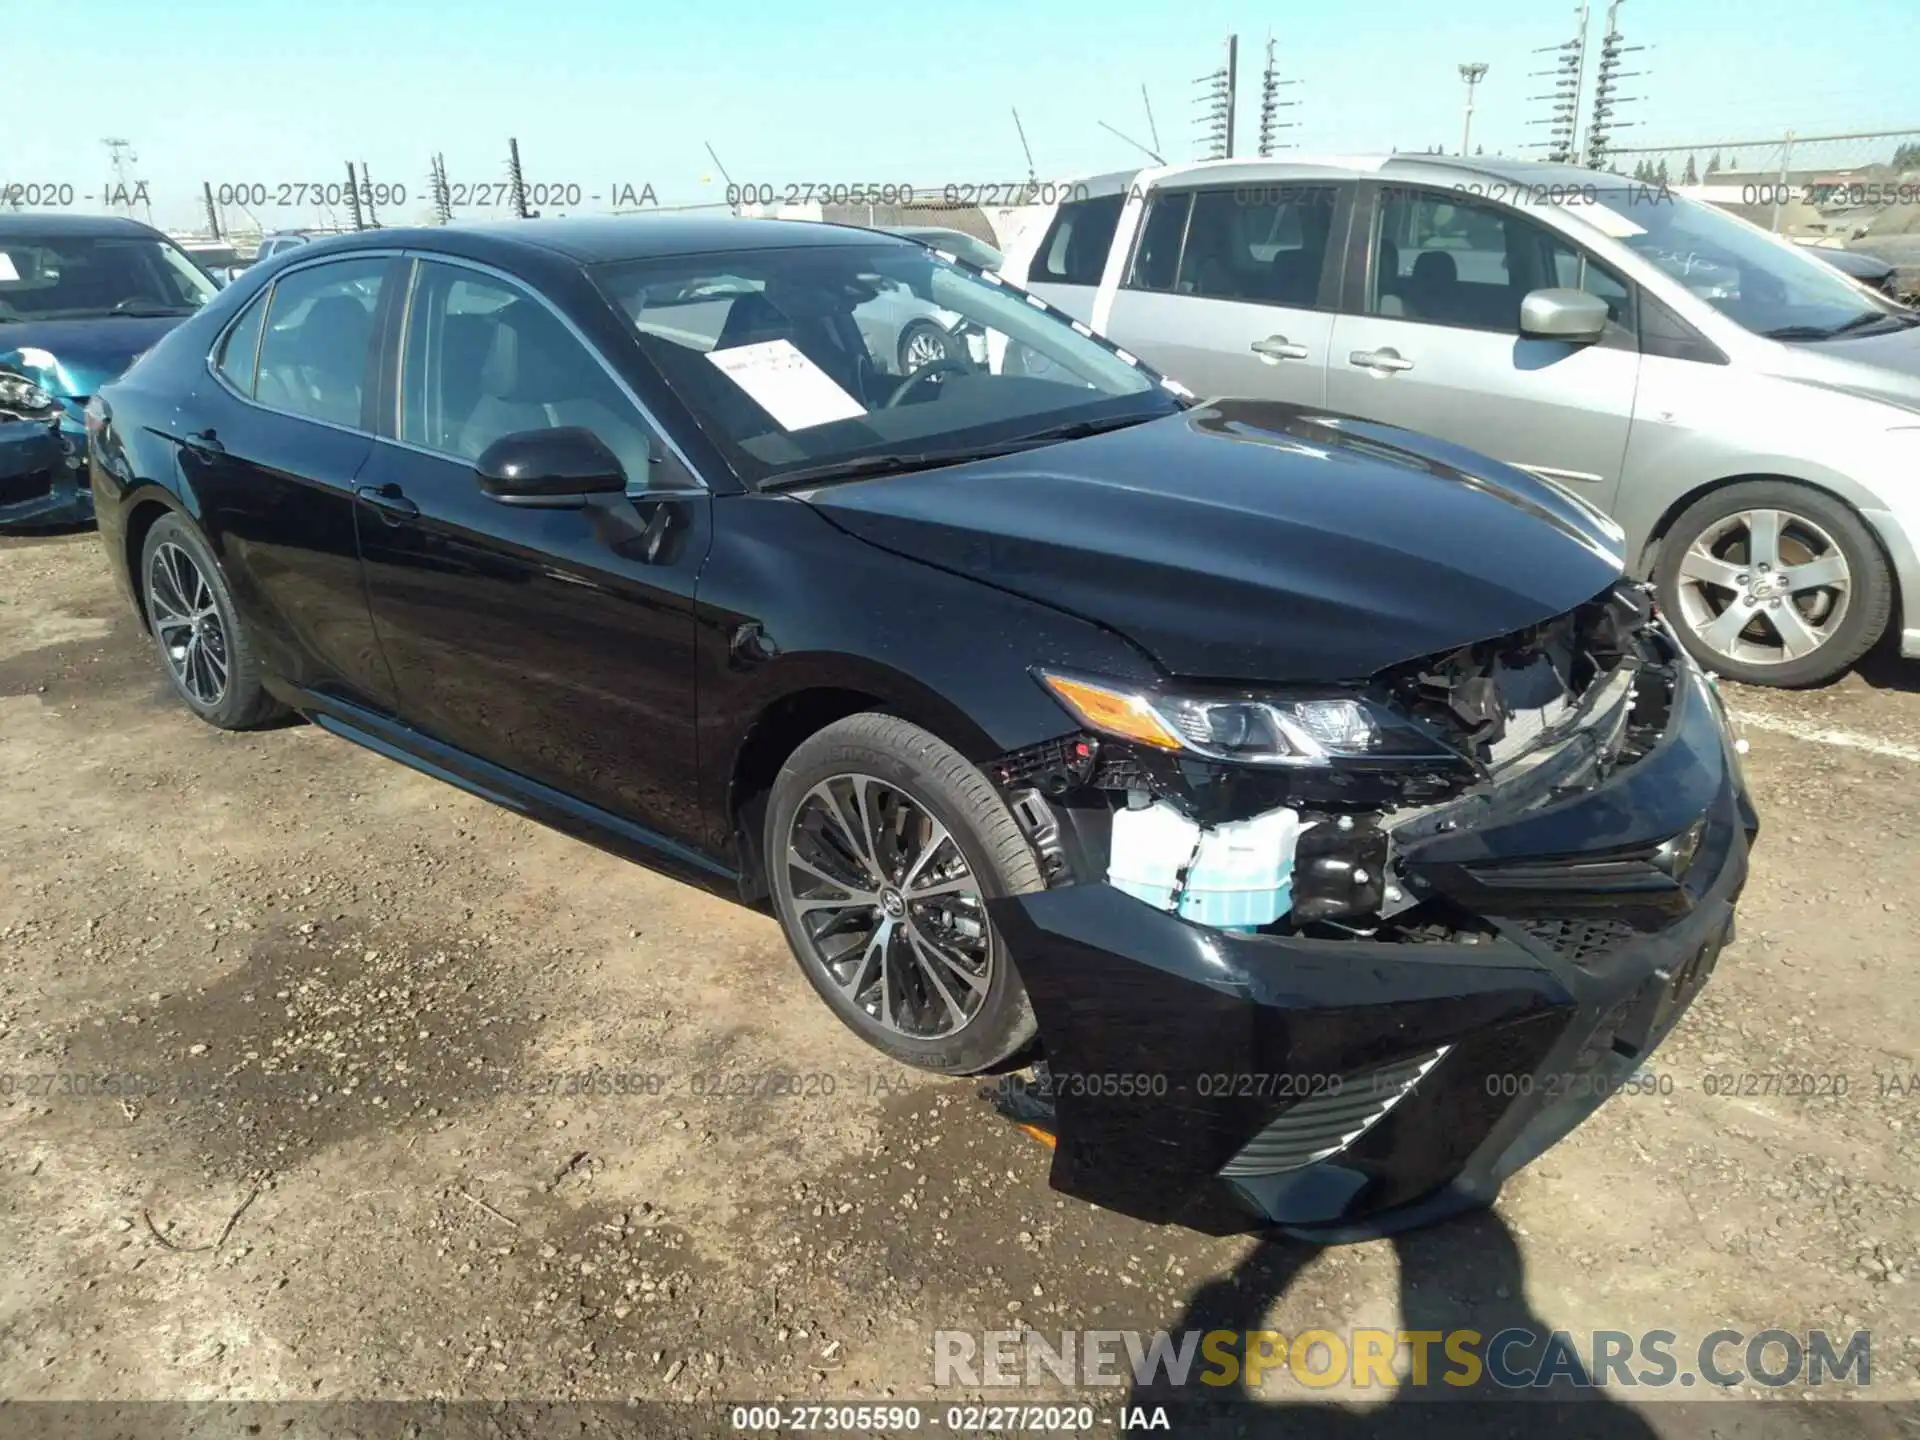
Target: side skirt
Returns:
[513, 791]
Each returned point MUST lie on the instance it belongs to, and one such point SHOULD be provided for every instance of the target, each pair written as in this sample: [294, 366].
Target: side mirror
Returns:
[1570, 315]
[555, 469]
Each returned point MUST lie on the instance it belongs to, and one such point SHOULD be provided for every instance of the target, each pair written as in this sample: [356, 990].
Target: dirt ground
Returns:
[319, 1150]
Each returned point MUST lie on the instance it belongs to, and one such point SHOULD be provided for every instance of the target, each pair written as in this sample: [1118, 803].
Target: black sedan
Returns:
[1316, 801]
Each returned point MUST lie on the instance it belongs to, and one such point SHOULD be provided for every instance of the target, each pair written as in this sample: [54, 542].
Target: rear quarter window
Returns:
[1074, 249]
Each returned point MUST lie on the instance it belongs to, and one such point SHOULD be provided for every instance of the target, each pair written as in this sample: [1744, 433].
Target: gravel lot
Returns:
[332, 993]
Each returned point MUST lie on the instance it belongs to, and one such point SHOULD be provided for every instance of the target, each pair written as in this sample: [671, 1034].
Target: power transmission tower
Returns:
[516, 182]
[1218, 98]
[1606, 90]
[1563, 114]
[124, 160]
[353, 198]
[1271, 105]
[442, 191]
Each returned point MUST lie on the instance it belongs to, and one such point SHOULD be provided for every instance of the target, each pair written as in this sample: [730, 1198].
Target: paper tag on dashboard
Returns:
[786, 384]
[7, 270]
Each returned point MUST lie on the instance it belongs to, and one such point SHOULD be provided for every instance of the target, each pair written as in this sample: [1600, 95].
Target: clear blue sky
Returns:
[605, 93]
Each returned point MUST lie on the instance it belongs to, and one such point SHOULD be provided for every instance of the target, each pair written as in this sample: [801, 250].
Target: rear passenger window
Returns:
[1262, 243]
[485, 359]
[237, 351]
[1074, 250]
[315, 355]
[1157, 260]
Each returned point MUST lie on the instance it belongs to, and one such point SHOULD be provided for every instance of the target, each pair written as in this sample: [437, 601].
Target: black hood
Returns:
[1243, 540]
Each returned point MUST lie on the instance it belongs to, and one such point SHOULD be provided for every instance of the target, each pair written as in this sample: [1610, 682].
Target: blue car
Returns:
[80, 297]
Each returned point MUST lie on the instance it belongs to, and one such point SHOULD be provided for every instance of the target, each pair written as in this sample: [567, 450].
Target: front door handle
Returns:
[1278, 347]
[1382, 359]
[203, 443]
[389, 499]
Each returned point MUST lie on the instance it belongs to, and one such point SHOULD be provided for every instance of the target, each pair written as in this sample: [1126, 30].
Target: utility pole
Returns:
[1472, 72]
[1606, 90]
[1271, 105]
[213, 215]
[1568, 74]
[1218, 98]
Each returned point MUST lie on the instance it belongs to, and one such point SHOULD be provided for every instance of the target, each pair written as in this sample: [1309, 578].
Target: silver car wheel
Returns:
[922, 348]
[1764, 587]
[888, 907]
[186, 622]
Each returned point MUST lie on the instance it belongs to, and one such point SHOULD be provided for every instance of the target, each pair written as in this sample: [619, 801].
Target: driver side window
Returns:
[484, 359]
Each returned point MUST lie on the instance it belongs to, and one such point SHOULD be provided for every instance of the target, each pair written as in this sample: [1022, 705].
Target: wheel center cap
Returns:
[894, 903]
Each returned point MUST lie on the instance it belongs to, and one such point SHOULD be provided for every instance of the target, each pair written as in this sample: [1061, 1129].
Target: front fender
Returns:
[951, 653]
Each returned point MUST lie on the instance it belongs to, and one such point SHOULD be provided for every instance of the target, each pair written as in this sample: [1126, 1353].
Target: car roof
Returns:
[72, 227]
[599, 239]
[1245, 169]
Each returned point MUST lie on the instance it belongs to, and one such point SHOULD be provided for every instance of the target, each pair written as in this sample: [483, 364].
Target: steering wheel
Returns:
[945, 365]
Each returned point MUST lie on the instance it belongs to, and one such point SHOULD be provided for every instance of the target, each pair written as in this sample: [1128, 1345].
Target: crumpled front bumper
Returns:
[1172, 1046]
[39, 483]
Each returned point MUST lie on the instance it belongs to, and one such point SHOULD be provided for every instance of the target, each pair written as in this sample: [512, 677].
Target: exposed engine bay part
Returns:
[1335, 846]
[1233, 876]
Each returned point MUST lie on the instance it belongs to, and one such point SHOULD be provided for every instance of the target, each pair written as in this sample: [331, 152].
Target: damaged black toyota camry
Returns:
[1316, 803]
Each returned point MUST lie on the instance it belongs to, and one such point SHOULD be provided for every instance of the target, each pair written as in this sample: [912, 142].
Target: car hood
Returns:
[1243, 540]
[1871, 367]
[74, 358]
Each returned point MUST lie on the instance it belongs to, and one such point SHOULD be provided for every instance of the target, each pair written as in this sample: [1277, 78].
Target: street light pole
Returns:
[1471, 73]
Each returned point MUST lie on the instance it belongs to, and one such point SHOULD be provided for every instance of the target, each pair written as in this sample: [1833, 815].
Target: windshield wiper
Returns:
[901, 462]
[151, 312]
[890, 463]
[1845, 327]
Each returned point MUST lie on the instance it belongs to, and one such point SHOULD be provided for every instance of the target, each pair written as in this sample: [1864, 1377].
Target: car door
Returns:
[557, 644]
[1429, 338]
[286, 415]
[1232, 290]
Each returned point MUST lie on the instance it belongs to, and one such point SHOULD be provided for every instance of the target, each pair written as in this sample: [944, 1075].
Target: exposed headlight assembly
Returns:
[1267, 730]
[19, 394]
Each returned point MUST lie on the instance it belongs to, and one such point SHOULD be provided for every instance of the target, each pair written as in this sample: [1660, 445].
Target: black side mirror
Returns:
[555, 469]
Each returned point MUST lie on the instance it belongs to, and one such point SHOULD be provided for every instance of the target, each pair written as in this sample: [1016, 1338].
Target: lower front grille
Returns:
[1584, 942]
[1324, 1125]
[35, 485]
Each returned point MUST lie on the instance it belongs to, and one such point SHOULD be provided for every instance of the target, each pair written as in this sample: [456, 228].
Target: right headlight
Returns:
[1258, 730]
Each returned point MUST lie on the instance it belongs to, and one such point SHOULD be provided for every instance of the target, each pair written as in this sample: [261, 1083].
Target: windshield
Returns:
[69, 278]
[1753, 279]
[805, 359]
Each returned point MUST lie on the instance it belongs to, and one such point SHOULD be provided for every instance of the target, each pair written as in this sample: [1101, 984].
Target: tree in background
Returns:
[1660, 174]
[1907, 157]
[1713, 165]
[1692, 175]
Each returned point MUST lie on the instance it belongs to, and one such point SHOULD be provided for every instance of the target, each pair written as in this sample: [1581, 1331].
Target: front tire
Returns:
[203, 645]
[1772, 583]
[882, 845]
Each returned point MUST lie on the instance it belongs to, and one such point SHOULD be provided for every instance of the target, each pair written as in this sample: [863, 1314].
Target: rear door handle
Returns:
[1278, 347]
[389, 499]
[203, 442]
[1384, 359]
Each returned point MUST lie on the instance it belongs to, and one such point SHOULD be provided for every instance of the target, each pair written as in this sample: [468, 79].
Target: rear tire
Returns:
[202, 642]
[1737, 577]
[893, 933]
